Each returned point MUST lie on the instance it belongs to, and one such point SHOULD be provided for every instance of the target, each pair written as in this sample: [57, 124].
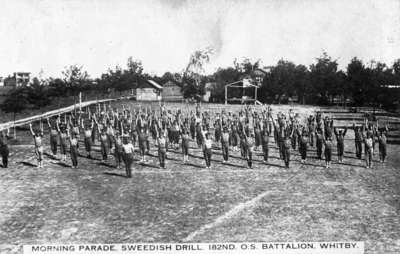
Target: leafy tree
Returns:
[301, 83]
[279, 81]
[246, 67]
[324, 78]
[75, 78]
[16, 101]
[37, 94]
[193, 76]
[356, 77]
[222, 77]
[57, 87]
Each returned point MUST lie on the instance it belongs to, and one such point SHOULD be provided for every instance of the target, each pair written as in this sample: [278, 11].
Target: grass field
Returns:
[188, 203]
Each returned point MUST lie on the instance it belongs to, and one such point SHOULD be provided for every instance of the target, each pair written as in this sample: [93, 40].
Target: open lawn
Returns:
[188, 203]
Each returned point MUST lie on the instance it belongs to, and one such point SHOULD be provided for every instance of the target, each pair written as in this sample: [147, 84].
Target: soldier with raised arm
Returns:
[340, 142]
[37, 138]
[4, 151]
[53, 137]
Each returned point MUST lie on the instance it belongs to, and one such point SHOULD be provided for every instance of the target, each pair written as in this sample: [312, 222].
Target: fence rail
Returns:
[20, 122]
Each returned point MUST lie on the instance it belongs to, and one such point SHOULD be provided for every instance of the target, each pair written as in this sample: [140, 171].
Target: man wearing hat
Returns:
[4, 152]
[128, 152]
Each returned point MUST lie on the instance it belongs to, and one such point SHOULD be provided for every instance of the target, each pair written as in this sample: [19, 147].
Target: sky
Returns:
[47, 35]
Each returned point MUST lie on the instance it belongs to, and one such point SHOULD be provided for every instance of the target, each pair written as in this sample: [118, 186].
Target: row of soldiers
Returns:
[248, 131]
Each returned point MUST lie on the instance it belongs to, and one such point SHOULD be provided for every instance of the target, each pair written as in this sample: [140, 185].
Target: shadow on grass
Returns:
[273, 165]
[194, 165]
[51, 156]
[233, 165]
[147, 165]
[25, 163]
[63, 164]
[115, 174]
[172, 159]
[91, 158]
[105, 164]
[348, 164]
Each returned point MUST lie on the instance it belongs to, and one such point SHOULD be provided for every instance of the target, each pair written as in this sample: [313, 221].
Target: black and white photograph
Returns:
[200, 126]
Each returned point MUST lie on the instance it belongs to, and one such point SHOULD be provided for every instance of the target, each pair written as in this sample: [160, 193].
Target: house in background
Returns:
[258, 75]
[172, 92]
[18, 79]
[8, 84]
[148, 90]
[208, 87]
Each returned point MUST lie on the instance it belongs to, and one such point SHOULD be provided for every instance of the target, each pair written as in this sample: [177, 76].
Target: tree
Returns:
[324, 78]
[15, 102]
[57, 87]
[37, 94]
[222, 77]
[75, 78]
[246, 67]
[301, 83]
[356, 77]
[193, 76]
[135, 66]
[279, 81]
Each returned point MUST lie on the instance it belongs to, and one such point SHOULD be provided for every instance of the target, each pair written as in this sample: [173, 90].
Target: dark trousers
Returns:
[5, 161]
[118, 157]
[128, 159]
[53, 145]
[358, 149]
[104, 150]
[88, 145]
[328, 155]
[192, 132]
[311, 138]
[185, 149]
[111, 141]
[207, 156]
[74, 156]
[63, 148]
[142, 149]
[147, 146]
[382, 152]
[303, 152]
[340, 149]
[281, 148]
[4, 155]
[94, 135]
[265, 152]
[319, 149]
[161, 157]
[225, 151]
[249, 158]
[217, 135]
[243, 148]
[294, 142]
[286, 155]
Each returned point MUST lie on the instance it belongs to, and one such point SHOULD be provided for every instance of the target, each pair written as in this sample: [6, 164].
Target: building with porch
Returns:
[149, 90]
[171, 91]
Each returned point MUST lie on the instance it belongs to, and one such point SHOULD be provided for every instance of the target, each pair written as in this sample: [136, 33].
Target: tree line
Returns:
[321, 83]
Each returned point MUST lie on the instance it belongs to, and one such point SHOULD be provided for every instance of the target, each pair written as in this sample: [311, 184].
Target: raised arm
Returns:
[68, 133]
[30, 128]
[335, 131]
[41, 129]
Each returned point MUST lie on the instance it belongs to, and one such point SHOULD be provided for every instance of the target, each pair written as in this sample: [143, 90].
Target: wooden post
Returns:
[255, 96]
[15, 131]
[80, 101]
[226, 95]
